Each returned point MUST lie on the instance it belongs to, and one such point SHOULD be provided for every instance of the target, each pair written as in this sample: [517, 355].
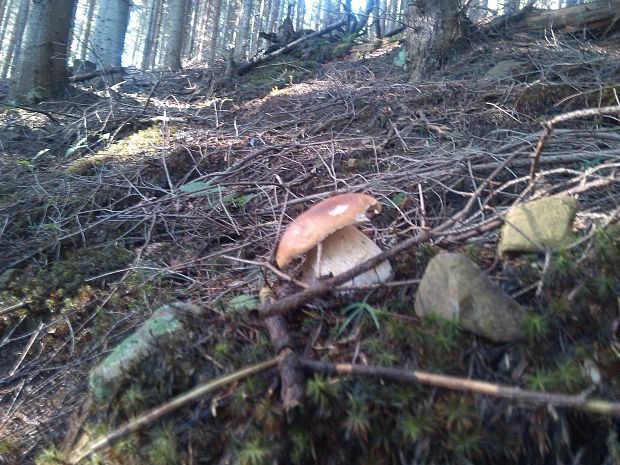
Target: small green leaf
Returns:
[198, 187]
[242, 302]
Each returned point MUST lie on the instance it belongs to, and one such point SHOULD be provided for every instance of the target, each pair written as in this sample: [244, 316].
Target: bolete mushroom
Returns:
[327, 233]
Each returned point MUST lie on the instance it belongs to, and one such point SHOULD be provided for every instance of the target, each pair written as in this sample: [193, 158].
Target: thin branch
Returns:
[170, 406]
[578, 402]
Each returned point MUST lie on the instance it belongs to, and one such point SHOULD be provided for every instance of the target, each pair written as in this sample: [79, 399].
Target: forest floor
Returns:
[163, 187]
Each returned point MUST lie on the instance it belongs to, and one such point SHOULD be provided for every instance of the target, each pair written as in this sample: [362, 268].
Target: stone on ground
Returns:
[164, 324]
[539, 224]
[453, 287]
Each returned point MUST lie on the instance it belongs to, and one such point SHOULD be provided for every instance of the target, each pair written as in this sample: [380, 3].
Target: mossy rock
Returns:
[539, 224]
[454, 288]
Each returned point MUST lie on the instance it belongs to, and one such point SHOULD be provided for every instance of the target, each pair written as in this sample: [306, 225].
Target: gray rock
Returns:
[163, 325]
[455, 288]
[505, 69]
[538, 224]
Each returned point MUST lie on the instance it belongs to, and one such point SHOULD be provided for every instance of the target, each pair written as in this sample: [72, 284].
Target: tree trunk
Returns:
[175, 32]
[150, 42]
[434, 27]
[5, 28]
[13, 52]
[217, 12]
[275, 14]
[319, 14]
[299, 17]
[229, 23]
[88, 23]
[244, 29]
[109, 35]
[41, 72]
[258, 25]
[327, 13]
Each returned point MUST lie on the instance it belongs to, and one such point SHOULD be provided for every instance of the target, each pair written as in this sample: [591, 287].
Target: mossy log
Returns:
[599, 18]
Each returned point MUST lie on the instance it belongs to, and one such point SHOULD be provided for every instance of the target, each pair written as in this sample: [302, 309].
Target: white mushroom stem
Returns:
[319, 250]
[342, 251]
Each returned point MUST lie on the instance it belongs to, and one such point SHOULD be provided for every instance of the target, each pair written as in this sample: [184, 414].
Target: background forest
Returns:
[155, 155]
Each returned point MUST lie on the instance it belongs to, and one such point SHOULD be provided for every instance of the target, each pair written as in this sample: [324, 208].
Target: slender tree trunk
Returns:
[228, 34]
[6, 30]
[301, 11]
[13, 52]
[202, 38]
[257, 26]
[392, 13]
[41, 72]
[376, 21]
[175, 31]
[244, 29]
[88, 24]
[275, 14]
[327, 12]
[435, 27]
[318, 14]
[383, 13]
[109, 35]
[143, 20]
[190, 44]
[150, 42]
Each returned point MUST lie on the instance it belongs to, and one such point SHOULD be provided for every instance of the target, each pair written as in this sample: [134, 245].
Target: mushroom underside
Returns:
[342, 251]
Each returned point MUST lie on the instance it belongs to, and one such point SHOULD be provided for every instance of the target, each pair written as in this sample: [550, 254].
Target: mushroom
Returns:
[327, 233]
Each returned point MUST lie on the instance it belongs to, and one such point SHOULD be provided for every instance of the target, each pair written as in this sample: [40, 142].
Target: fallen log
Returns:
[288, 47]
[598, 18]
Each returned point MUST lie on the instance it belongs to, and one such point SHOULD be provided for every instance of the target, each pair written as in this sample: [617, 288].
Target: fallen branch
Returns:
[288, 47]
[291, 376]
[12, 308]
[579, 402]
[549, 124]
[170, 406]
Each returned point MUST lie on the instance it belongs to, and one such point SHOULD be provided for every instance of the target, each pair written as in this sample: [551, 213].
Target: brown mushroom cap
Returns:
[322, 220]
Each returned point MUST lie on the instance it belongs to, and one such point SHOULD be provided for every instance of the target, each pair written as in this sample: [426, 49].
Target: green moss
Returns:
[163, 449]
[123, 150]
[64, 281]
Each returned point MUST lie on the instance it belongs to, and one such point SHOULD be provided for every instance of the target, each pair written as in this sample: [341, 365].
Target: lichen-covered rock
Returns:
[455, 288]
[505, 69]
[538, 224]
[105, 378]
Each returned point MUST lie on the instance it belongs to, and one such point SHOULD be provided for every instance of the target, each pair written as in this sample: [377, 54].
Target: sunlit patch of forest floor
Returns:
[125, 196]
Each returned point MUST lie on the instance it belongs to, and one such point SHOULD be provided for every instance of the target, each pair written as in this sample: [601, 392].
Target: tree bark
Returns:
[150, 42]
[13, 52]
[41, 72]
[175, 31]
[434, 28]
[244, 29]
[275, 14]
[299, 17]
[217, 12]
[88, 24]
[109, 34]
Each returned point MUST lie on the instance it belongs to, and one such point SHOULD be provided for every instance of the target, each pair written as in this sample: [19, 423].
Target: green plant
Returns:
[535, 327]
[320, 391]
[133, 400]
[357, 311]
[254, 452]
[50, 456]
[357, 424]
[413, 426]
[456, 412]
[163, 447]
